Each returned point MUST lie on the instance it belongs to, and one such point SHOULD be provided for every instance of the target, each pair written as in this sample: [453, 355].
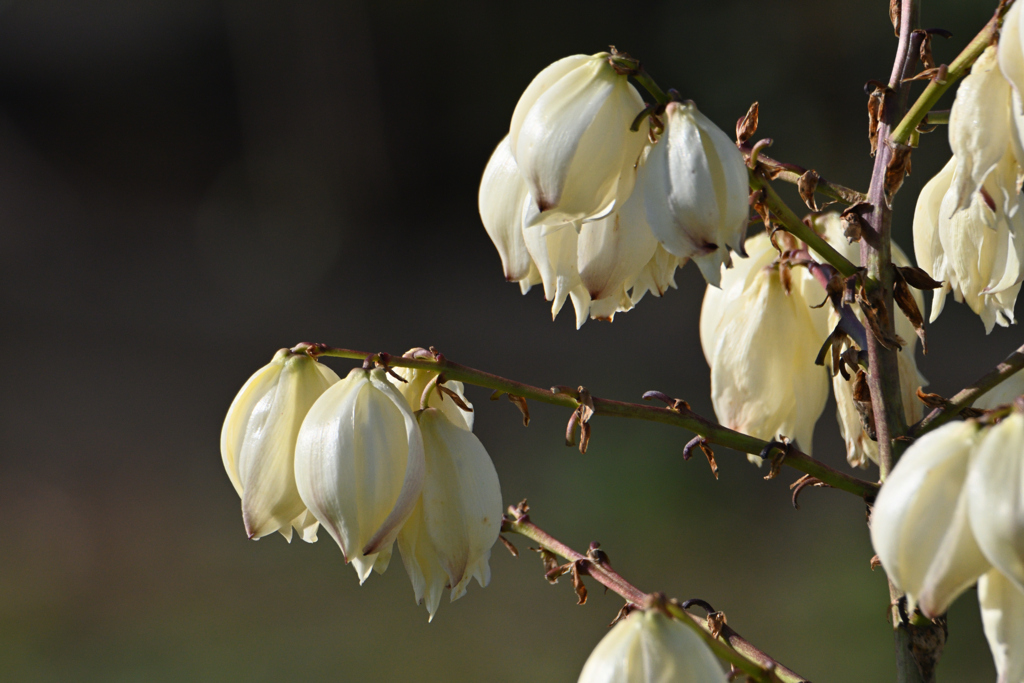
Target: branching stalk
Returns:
[936, 89]
[728, 646]
[679, 417]
[966, 397]
[791, 173]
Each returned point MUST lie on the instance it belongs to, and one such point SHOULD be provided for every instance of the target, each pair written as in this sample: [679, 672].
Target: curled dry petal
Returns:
[695, 190]
[359, 466]
[502, 195]
[761, 341]
[649, 647]
[995, 489]
[258, 443]
[1002, 616]
[920, 527]
[570, 136]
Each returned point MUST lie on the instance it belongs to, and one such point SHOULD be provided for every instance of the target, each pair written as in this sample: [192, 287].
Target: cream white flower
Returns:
[448, 539]
[978, 251]
[980, 127]
[995, 492]
[649, 647]
[1011, 63]
[1002, 615]
[503, 193]
[257, 443]
[920, 524]
[570, 136]
[860, 449]
[359, 466]
[760, 336]
[695, 190]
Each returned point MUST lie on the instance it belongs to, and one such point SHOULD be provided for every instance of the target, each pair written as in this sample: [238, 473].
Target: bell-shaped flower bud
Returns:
[920, 527]
[977, 252]
[695, 189]
[571, 137]
[1002, 616]
[415, 385]
[995, 492]
[860, 448]
[503, 193]
[649, 647]
[359, 466]
[257, 443]
[980, 127]
[760, 336]
[612, 252]
[459, 517]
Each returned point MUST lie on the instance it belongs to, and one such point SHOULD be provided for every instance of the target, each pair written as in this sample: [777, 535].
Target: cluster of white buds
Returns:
[649, 647]
[950, 514]
[371, 462]
[598, 213]
[968, 225]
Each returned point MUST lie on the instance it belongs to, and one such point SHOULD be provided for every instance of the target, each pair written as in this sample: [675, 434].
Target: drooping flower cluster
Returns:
[648, 646]
[952, 513]
[761, 333]
[968, 225]
[371, 462]
[597, 213]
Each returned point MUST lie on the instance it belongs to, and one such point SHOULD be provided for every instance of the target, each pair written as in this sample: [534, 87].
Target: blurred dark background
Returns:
[186, 187]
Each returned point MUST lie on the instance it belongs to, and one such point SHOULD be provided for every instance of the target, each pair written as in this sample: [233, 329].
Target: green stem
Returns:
[966, 397]
[728, 646]
[791, 173]
[793, 225]
[682, 417]
[935, 90]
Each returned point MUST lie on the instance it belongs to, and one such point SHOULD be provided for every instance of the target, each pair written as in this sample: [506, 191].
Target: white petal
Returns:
[421, 563]
[500, 200]
[995, 486]
[919, 526]
[927, 245]
[555, 256]
[1002, 615]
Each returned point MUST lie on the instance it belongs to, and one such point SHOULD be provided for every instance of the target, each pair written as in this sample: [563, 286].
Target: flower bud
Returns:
[649, 647]
[359, 466]
[978, 252]
[449, 537]
[995, 501]
[695, 190]
[1002, 616]
[257, 443]
[979, 127]
[920, 527]
[503, 193]
[570, 136]
[760, 336]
